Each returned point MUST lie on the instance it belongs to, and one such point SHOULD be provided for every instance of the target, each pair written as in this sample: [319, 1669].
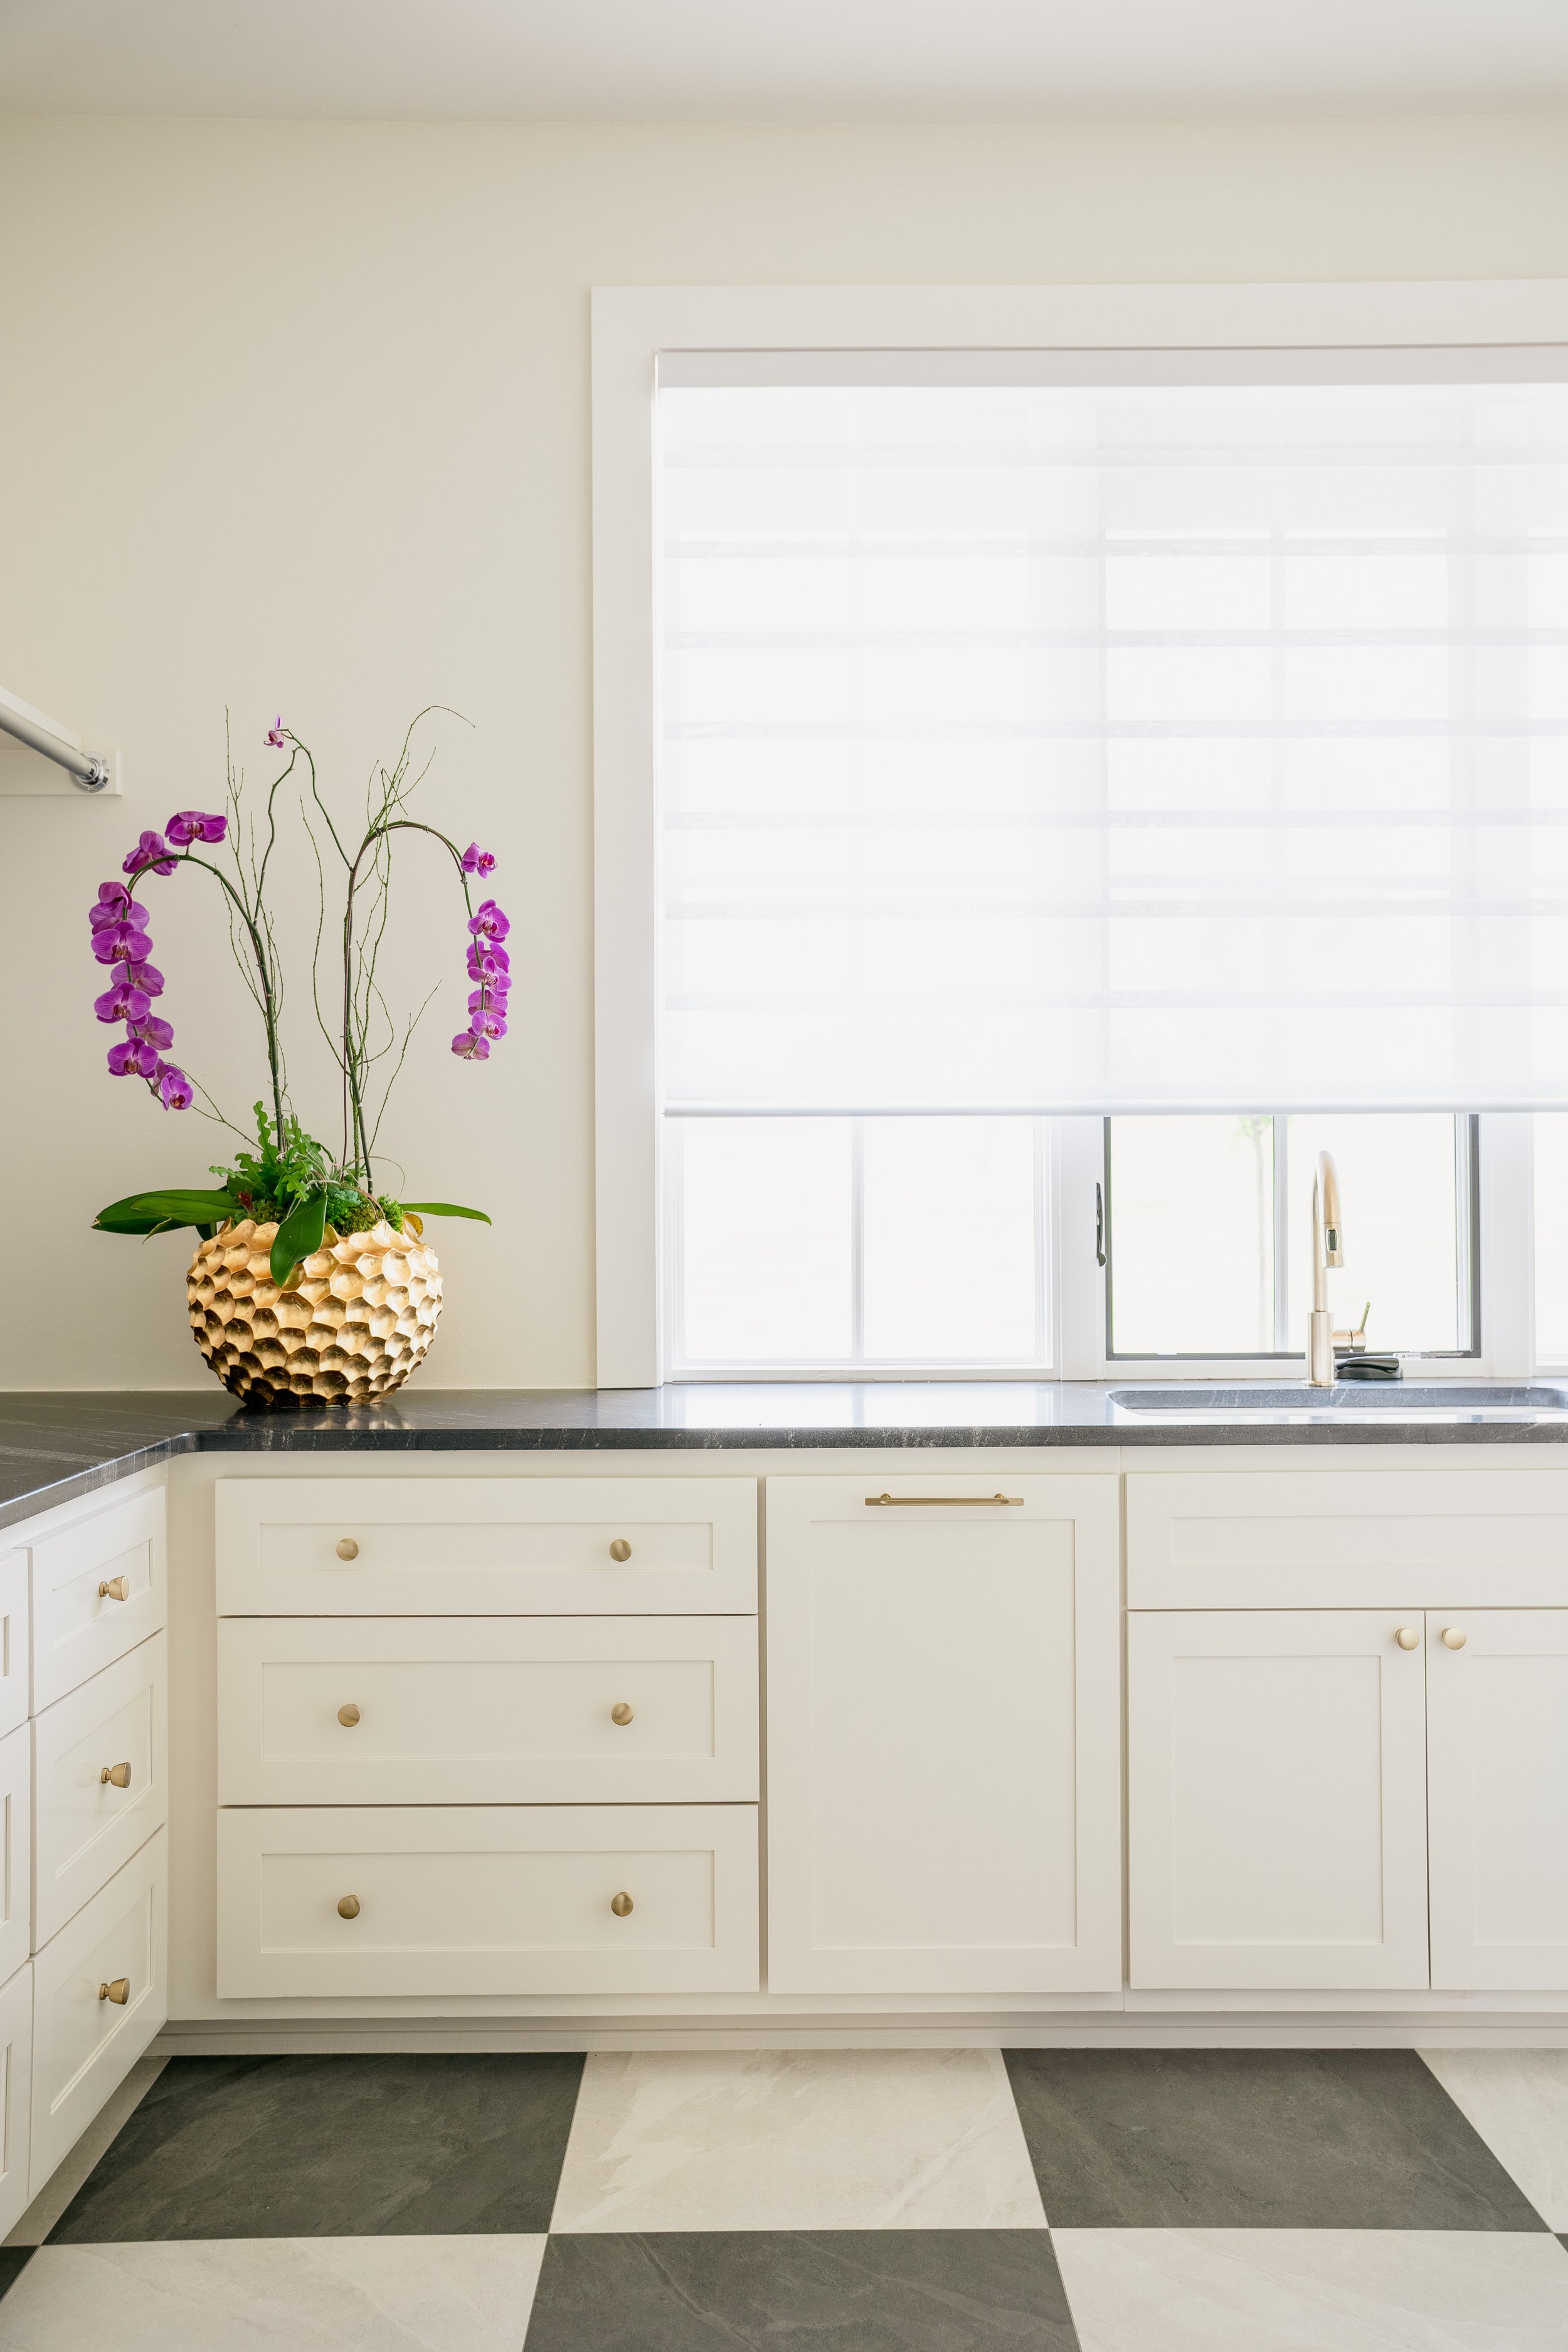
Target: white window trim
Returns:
[632, 327]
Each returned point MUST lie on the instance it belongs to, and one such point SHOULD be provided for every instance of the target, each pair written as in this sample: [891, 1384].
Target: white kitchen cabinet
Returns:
[16, 1659]
[943, 1752]
[16, 2097]
[99, 1994]
[1498, 1769]
[1276, 1797]
[101, 1781]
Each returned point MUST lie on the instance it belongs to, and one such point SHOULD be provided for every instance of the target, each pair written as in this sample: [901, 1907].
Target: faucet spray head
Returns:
[1329, 1195]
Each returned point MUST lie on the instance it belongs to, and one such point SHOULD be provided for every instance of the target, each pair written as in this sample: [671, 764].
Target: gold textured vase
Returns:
[359, 1319]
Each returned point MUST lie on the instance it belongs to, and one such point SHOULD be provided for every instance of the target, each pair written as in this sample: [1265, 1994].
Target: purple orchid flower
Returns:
[487, 962]
[133, 1058]
[275, 733]
[112, 893]
[476, 860]
[124, 943]
[194, 825]
[156, 1031]
[471, 1048]
[489, 923]
[104, 917]
[150, 856]
[144, 976]
[123, 1002]
[492, 997]
[489, 1023]
[175, 1091]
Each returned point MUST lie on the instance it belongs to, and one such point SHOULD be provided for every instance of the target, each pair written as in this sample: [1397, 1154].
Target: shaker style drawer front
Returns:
[394, 1900]
[101, 1782]
[486, 1547]
[15, 1662]
[1346, 1538]
[474, 1711]
[99, 1994]
[16, 2096]
[15, 1848]
[97, 1590]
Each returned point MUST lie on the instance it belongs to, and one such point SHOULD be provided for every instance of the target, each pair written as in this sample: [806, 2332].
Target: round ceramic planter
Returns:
[359, 1319]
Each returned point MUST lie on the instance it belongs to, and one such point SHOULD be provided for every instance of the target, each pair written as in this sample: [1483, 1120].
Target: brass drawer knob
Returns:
[1408, 1638]
[118, 1992]
[621, 1713]
[620, 1905]
[620, 1549]
[348, 1715]
[115, 1588]
[348, 1907]
[347, 1547]
[1453, 1637]
[117, 1775]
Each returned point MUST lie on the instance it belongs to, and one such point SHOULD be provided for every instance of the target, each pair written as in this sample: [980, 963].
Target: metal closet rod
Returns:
[90, 770]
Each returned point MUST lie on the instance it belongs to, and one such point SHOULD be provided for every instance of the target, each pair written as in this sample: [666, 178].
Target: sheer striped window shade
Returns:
[1115, 747]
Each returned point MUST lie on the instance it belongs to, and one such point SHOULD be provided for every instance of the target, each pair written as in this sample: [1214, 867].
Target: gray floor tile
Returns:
[809, 2291]
[1234, 2139]
[337, 2146]
[14, 2260]
[1518, 2100]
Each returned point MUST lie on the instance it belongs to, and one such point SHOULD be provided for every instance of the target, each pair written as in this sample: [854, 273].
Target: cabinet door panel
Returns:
[1277, 1800]
[943, 1779]
[1498, 1742]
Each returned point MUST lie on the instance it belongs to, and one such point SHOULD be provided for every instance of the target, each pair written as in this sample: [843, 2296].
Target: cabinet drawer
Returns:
[486, 1899]
[487, 1710]
[16, 2096]
[83, 2043]
[15, 1848]
[85, 1825]
[486, 1547]
[15, 1661]
[1346, 1538]
[81, 1621]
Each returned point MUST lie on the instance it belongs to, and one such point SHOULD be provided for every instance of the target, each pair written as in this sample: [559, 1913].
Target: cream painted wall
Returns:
[295, 417]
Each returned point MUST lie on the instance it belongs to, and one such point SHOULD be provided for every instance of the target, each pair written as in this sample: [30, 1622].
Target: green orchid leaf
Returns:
[298, 1236]
[154, 1212]
[443, 1208]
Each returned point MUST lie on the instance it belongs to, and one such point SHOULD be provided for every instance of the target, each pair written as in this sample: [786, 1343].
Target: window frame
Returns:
[631, 329]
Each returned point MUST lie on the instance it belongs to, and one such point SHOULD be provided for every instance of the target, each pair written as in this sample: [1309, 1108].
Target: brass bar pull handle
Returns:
[940, 1502]
[118, 1992]
[116, 1588]
[117, 1775]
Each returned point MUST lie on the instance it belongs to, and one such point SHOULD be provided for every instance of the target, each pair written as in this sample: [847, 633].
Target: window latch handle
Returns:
[1098, 1227]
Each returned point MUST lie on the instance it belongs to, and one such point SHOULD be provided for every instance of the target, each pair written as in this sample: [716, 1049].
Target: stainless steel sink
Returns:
[1515, 1402]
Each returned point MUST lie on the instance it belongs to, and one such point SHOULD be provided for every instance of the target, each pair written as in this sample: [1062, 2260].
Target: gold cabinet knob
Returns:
[1453, 1637]
[118, 1992]
[347, 1547]
[1408, 1638]
[620, 1549]
[348, 1907]
[620, 1713]
[117, 1775]
[348, 1715]
[620, 1905]
[115, 1588]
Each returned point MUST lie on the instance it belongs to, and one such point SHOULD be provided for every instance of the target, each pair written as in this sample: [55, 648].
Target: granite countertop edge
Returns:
[57, 1449]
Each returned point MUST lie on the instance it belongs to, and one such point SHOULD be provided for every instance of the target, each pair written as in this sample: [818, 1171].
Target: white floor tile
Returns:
[1518, 2100]
[273, 2295]
[1315, 2290]
[864, 2139]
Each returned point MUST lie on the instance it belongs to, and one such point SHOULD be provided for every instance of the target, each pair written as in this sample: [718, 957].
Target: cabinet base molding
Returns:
[304, 2037]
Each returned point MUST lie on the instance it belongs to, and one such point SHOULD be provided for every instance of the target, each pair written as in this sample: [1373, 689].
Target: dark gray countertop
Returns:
[55, 1448]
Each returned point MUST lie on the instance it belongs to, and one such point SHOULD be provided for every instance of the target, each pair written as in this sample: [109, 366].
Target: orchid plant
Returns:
[291, 1179]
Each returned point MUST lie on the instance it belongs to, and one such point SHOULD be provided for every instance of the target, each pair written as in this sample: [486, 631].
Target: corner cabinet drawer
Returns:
[487, 1710]
[16, 1655]
[1346, 1538]
[85, 2041]
[99, 1782]
[15, 1848]
[16, 2096]
[486, 1547]
[97, 1590]
[364, 1903]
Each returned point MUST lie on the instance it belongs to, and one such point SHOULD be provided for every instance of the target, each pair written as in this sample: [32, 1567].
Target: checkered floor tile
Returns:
[847, 2201]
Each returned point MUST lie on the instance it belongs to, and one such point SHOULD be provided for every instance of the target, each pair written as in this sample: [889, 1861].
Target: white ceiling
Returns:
[813, 61]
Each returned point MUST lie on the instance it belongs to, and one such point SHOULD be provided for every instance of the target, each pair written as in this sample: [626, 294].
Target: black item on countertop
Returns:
[1368, 1368]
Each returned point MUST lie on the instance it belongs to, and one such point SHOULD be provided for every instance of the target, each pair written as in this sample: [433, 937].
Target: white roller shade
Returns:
[1129, 749]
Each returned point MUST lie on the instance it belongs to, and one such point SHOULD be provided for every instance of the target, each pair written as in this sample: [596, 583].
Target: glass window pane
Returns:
[1551, 1237]
[1400, 1204]
[948, 1240]
[765, 1239]
[1192, 1236]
